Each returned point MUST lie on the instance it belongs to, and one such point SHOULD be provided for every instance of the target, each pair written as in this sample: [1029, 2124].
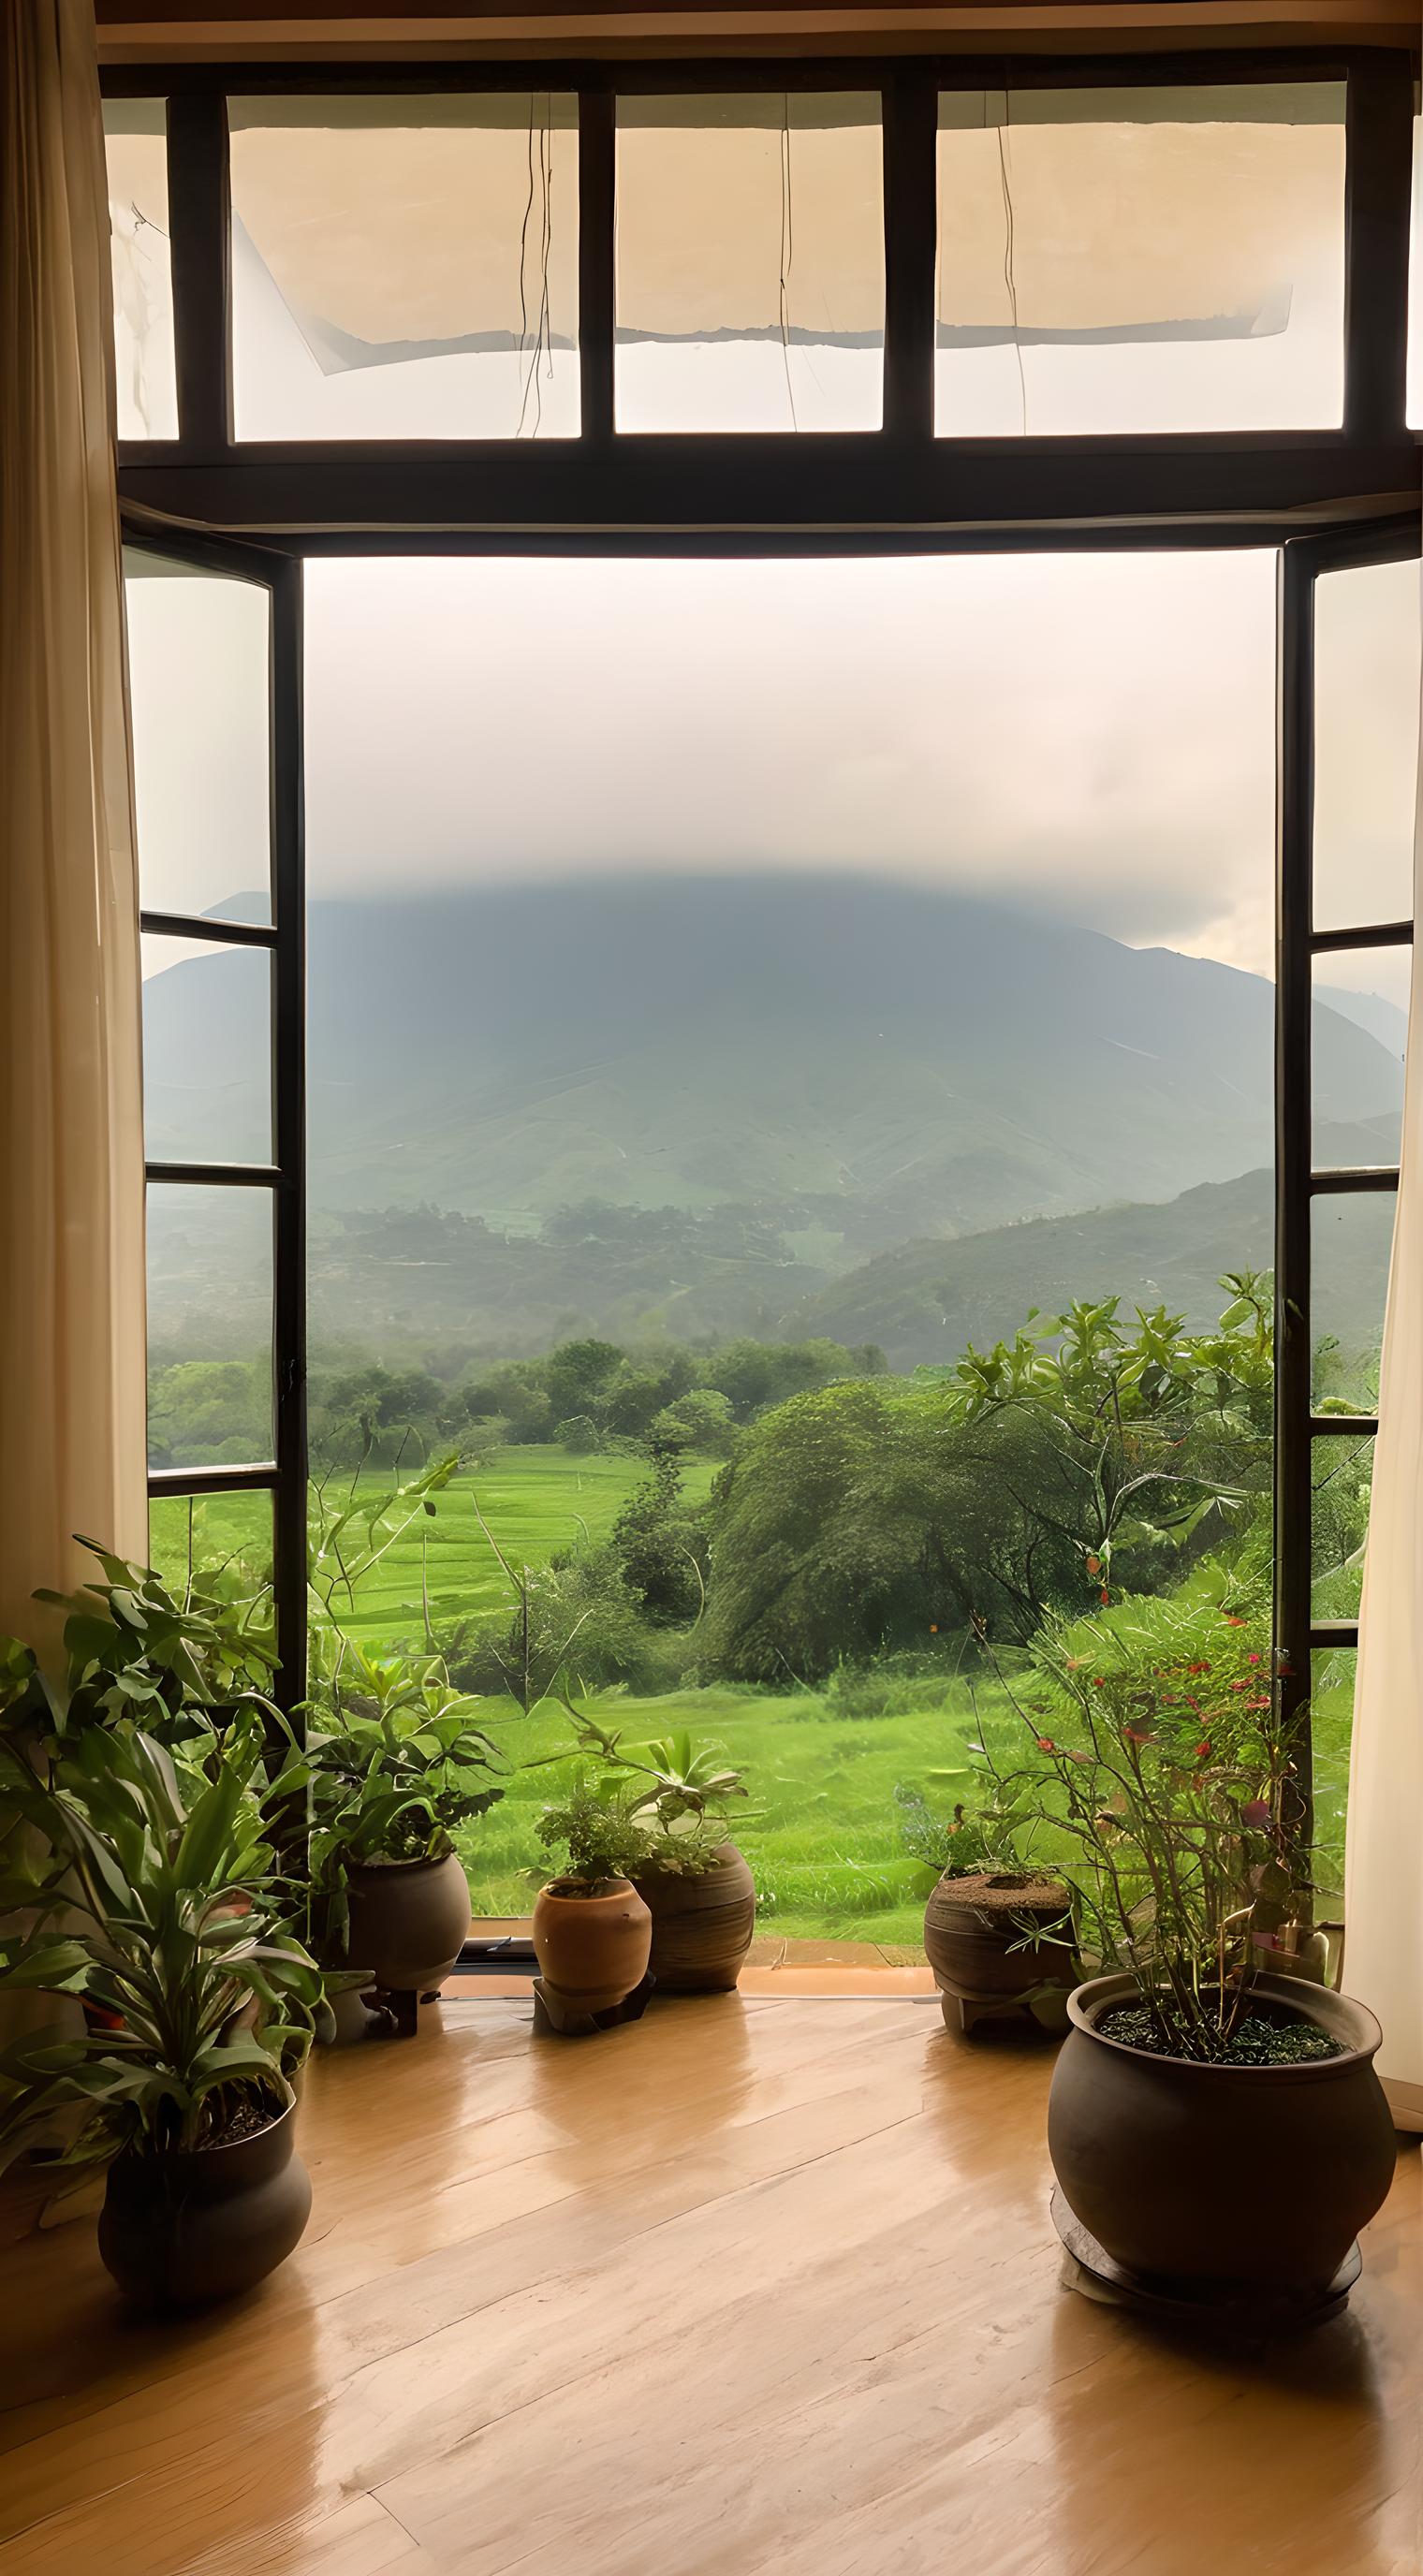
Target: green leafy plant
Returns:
[600, 1834]
[678, 1789]
[391, 1763]
[1160, 1771]
[136, 1655]
[158, 1910]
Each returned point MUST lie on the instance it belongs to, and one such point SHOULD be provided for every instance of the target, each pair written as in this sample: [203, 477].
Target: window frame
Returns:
[900, 488]
[901, 474]
[1299, 1181]
[284, 1474]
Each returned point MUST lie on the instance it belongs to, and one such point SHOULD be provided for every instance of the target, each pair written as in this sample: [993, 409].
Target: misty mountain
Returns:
[925, 1302]
[862, 1065]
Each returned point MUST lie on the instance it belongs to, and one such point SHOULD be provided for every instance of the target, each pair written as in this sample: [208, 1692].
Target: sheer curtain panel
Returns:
[71, 1149]
[1383, 1898]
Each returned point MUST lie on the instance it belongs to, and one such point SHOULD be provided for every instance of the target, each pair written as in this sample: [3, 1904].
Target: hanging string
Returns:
[1008, 276]
[787, 250]
[541, 183]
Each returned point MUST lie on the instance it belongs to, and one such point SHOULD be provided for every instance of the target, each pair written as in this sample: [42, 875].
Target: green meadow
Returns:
[820, 1827]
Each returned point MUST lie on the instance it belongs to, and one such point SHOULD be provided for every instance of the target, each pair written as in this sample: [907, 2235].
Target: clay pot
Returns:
[1249, 2177]
[974, 1937]
[592, 1949]
[409, 1920]
[702, 1926]
[177, 2230]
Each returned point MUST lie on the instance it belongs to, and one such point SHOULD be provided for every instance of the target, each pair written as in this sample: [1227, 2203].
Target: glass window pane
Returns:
[1332, 1676]
[1351, 1244]
[405, 267]
[1132, 260]
[750, 250]
[1367, 632]
[223, 1541]
[136, 154]
[1360, 1037]
[207, 1052]
[199, 679]
[1342, 1473]
[209, 1326]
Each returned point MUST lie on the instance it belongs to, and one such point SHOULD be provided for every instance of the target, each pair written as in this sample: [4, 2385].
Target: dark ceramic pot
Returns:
[1228, 2177]
[974, 1937]
[178, 2230]
[701, 1927]
[409, 1920]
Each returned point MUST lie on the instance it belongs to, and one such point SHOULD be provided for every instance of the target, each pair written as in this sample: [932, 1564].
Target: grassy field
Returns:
[535, 1501]
[822, 1830]
[820, 1827]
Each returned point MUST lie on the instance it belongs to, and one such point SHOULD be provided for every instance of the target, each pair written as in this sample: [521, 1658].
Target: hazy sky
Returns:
[1091, 734]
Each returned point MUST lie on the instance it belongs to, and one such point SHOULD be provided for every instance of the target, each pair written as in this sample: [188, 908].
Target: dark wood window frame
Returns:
[1324, 498]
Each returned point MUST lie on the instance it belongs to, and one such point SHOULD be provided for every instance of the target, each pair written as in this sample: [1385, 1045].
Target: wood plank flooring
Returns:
[750, 2286]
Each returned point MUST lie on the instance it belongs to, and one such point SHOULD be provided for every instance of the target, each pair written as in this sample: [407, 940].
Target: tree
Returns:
[660, 1546]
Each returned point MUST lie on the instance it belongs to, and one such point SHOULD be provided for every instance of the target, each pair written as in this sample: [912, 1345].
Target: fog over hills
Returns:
[857, 1070]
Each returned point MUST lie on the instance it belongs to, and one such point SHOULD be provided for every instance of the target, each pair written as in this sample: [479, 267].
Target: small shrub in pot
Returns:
[998, 1928]
[695, 1883]
[393, 1763]
[1211, 2124]
[592, 1931]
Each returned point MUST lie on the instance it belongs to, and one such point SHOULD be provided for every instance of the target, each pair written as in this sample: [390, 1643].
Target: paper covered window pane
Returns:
[750, 262]
[1136, 260]
[405, 267]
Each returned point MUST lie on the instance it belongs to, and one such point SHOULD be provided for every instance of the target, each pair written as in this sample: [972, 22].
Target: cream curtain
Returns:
[1383, 1890]
[72, 1438]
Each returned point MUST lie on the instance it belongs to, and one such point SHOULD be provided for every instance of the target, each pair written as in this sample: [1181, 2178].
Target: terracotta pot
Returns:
[974, 1936]
[592, 1950]
[1256, 2177]
[177, 2230]
[701, 1927]
[409, 1920]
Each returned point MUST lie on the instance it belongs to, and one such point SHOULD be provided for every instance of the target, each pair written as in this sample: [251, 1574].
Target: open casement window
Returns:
[215, 673]
[1128, 260]
[1348, 754]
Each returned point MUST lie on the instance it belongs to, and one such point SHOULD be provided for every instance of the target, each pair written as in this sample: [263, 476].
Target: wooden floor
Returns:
[751, 2286]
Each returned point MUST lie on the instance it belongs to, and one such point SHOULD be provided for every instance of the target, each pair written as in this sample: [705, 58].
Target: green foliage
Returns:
[677, 1787]
[871, 1517]
[661, 1547]
[390, 1762]
[1155, 1759]
[136, 1655]
[599, 1833]
[156, 1908]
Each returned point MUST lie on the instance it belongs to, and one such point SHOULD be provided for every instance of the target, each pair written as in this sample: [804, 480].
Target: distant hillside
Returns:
[861, 1064]
[926, 1301]
[399, 1281]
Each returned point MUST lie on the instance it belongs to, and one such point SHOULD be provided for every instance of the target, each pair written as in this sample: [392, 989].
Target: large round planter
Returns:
[1254, 2178]
[701, 1926]
[409, 1920]
[592, 1950]
[178, 2230]
[974, 1936]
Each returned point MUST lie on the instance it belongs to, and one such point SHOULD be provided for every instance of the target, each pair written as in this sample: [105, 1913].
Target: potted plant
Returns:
[997, 1925]
[592, 1930]
[394, 1764]
[137, 1654]
[155, 1909]
[695, 1883]
[1212, 2125]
